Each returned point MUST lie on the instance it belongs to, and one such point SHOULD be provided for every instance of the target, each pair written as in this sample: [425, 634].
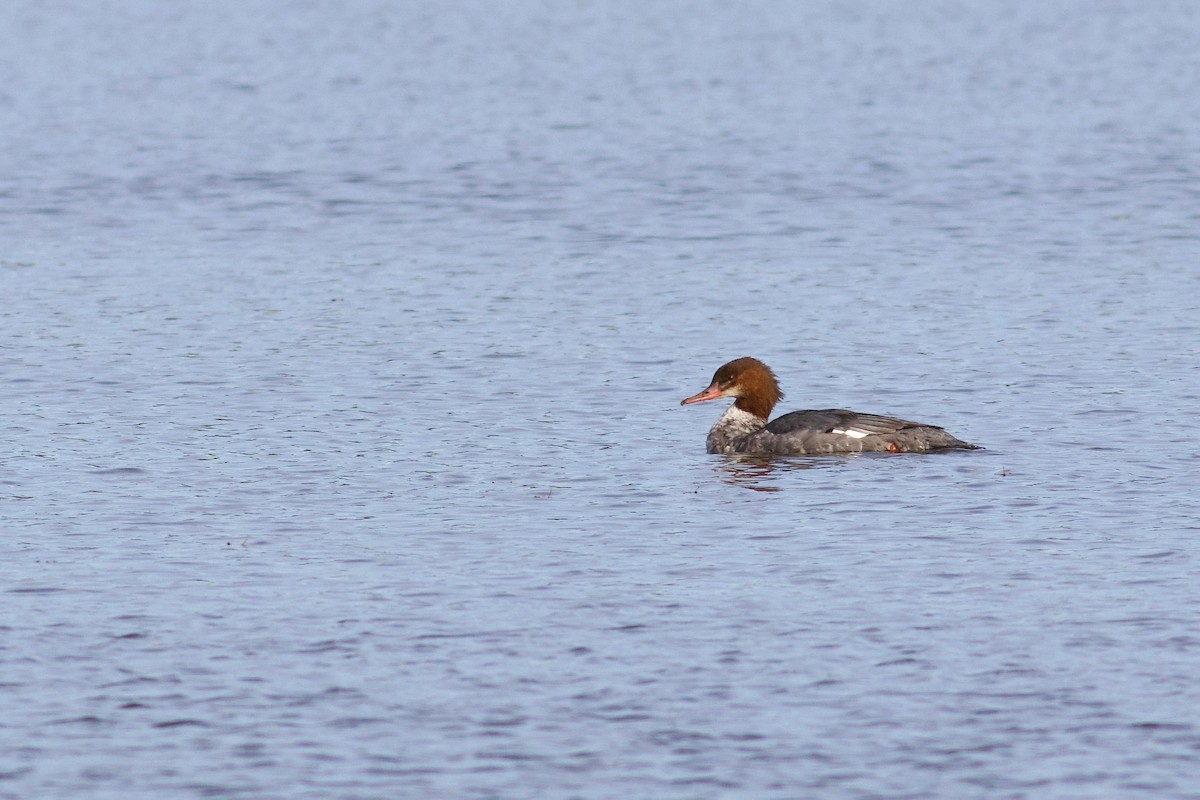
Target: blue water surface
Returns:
[341, 349]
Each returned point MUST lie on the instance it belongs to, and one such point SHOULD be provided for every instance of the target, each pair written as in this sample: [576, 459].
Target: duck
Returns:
[744, 427]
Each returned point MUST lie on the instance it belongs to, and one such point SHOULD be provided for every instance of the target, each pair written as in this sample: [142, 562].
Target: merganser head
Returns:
[749, 380]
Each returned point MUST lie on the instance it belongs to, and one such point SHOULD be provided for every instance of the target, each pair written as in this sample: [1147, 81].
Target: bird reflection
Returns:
[759, 473]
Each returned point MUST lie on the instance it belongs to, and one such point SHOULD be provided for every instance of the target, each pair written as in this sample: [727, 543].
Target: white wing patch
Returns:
[851, 432]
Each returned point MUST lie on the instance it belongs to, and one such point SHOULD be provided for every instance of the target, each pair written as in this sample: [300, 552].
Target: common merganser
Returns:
[744, 427]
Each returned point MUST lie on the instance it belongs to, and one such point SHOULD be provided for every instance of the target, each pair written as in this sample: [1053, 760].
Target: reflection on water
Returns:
[762, 473]
[767, 473]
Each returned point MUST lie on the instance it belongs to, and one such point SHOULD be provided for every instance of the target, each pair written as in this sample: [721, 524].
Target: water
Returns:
[342, 352]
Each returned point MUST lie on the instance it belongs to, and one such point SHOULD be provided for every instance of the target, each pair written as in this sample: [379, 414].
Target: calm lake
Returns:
[341, 352]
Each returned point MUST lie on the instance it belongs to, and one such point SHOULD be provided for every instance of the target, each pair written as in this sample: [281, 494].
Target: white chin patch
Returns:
[853, 434]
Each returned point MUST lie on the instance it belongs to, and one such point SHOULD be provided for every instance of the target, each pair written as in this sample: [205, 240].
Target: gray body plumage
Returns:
[826, 431]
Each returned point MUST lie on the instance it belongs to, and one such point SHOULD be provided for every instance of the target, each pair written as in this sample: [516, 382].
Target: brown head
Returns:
[747, 379]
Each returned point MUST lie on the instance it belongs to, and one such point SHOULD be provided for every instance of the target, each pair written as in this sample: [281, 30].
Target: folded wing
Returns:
[841, 421]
